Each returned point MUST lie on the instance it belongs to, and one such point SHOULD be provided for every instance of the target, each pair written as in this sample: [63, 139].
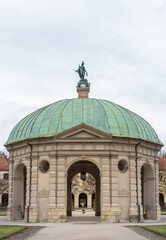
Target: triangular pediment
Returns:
[83, 131]
[83, 134]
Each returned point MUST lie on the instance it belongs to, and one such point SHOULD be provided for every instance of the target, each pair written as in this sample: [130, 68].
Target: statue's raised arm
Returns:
[82, 71]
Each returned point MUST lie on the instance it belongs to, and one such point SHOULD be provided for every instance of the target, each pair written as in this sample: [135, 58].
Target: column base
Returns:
[9, 214]
[110, 215]
[158, 212]
[133, 214]
[57, 215]
[33, 215]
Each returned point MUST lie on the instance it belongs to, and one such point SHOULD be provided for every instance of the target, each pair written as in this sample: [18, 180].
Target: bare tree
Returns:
[4, 153]
[88, 185]
[4, 184]
[162, 153]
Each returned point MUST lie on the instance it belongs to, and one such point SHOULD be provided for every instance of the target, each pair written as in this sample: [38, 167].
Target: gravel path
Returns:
[146, 233]
[26, 233]
[30, 231]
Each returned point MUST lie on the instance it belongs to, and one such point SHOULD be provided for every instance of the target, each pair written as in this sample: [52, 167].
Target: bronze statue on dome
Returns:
[82, 71]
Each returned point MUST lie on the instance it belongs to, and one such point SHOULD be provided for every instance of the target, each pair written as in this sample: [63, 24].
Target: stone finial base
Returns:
[83, 94]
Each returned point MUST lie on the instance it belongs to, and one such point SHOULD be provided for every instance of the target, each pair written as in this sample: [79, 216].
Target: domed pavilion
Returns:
[83, 136]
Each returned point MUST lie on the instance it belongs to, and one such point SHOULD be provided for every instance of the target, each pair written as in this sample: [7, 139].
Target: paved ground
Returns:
[82, 231]
[81, 227]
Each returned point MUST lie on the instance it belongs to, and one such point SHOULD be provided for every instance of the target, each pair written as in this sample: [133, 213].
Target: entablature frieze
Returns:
[20, 159]
[114, 155]
[61, 155]
[79, 153]
[53, 155]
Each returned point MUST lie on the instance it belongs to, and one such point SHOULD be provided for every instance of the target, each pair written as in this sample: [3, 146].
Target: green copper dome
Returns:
[103, 115]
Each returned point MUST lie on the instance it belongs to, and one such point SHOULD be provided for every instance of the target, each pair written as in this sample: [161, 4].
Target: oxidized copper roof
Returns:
[100, 114]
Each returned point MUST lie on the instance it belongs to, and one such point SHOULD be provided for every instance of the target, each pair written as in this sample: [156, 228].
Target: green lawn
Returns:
[157, 229]
[3, 213]
[163, 213]
[6, 231]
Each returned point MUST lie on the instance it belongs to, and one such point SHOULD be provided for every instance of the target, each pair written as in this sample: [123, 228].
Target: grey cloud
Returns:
[121, 42]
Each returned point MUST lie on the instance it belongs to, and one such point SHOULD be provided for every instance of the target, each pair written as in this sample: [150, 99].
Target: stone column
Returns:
[10, 195]
[33, 213]
[52, 189]
[140, 187]
[89, 205]
[27, 186]
[76, 201]
[105, 187]
[114, 213]
[133, 212]
[61, 189]
[157, 206]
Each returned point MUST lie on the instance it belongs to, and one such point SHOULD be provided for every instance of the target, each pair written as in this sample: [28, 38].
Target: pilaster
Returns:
[105, 181]
[33, 210]
[61, 180]
[10, 195]
[76, 201]
[157, 206]
[114, 182]
[89, 201]
[57, 210]
[109, 207]
[52, 181]
[34, 186]
[133, 211]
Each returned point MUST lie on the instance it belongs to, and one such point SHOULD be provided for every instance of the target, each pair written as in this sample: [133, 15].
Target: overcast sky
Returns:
[122, 42]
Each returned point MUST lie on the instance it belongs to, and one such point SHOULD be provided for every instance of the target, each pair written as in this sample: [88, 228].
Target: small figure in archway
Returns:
[83, 211]
[82, 71]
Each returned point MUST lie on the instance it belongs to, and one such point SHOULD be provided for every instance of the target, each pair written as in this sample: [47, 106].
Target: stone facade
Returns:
[44, 195]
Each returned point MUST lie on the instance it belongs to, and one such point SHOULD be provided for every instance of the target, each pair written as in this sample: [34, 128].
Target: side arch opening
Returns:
[4, 200]
[148, 191]
[161, 201]
[20, 183]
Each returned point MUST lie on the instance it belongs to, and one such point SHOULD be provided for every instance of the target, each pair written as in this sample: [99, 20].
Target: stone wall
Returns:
[49, 190]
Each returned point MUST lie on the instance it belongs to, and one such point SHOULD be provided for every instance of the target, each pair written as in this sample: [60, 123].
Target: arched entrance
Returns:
[161, 201]
[4, 200]
[148, 191]
[19, 192]
[83, 200]
[83, 167]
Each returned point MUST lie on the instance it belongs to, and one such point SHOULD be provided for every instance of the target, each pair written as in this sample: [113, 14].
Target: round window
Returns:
[122, 166]
[44, 166]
